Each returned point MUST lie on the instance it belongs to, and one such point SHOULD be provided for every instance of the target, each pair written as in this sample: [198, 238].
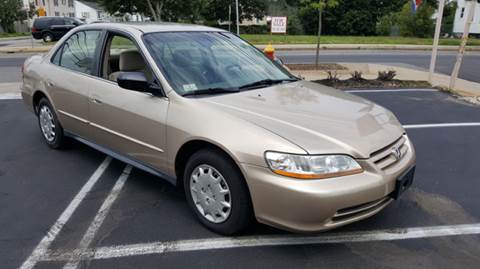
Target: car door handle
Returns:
[95, 100]
[50, 84]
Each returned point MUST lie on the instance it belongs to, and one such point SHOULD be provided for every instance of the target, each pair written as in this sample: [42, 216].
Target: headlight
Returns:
[310, 166]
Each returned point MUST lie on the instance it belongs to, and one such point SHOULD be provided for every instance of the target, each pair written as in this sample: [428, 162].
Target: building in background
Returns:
[87, 11]
[91, 12]
[59, 8]
[461, 18]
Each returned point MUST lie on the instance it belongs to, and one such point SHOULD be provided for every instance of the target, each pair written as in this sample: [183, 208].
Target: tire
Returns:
[50, 128]
[47, 37]
[228, 176]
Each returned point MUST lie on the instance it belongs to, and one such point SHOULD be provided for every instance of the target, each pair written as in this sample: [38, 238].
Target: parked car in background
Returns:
[53, 28]
[203, 109]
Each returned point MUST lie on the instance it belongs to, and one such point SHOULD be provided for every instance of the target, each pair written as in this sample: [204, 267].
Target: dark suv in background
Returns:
[53, 28]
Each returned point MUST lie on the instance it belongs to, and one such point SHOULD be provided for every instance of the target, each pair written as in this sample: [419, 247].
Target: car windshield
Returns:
[196, 62]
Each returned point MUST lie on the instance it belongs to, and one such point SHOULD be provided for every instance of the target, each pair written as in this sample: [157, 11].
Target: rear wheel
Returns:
[50, 127]
[47, 37]
[217, 193]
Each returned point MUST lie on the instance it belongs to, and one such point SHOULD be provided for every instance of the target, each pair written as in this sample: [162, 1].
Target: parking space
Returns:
[134, 220]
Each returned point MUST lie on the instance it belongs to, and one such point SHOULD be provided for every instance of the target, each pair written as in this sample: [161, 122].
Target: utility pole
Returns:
[238, 19]
[461, 50]
[320, 10]
[436, 39]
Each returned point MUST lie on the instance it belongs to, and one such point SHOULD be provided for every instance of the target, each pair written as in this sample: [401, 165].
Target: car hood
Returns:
[319, 119]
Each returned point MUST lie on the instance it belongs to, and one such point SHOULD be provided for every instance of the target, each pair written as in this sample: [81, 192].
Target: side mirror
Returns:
[135, 81]
[279, 61]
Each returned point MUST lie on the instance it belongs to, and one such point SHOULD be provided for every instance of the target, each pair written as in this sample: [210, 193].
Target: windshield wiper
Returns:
[210, 91]
[265, 82]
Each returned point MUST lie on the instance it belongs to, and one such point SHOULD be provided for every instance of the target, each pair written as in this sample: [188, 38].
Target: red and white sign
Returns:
[279, 25]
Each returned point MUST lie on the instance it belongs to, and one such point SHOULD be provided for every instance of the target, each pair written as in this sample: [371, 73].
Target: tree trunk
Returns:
[159, 8]
[318, 36]
[150, 6]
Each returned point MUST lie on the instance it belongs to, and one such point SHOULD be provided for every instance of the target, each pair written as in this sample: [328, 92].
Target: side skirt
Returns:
[124, 158]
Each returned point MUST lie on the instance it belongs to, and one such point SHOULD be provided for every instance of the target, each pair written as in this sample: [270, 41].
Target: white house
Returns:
[62, 8]
[90, 11]
[87, 11]
[461, 17]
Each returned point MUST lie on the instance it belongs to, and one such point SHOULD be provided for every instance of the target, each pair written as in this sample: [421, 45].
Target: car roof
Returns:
[151, 27]
[52, 17]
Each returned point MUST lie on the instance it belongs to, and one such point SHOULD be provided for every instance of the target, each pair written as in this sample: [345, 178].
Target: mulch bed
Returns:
[374, 83]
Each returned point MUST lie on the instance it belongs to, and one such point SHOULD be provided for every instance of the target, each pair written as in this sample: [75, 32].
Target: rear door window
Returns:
[41, 23]
[58, 21]
[80, 50]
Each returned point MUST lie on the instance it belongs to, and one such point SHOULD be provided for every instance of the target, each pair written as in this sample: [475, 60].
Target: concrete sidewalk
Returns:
[286, 47]
[370, 71]
[10, 87]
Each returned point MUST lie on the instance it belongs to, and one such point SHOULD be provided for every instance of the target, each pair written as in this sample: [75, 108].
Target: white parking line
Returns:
[44, 244]
[441, 125]
[393, 90]
[262, 241]
[10, 96]
[100, 216]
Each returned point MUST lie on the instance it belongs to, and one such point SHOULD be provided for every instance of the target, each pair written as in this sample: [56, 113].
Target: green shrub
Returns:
[387, 75]
[294, 26]
[357, 76]
[419, 24]
[387, 25]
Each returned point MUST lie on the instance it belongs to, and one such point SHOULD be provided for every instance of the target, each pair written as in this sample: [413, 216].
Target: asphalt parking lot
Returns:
[77, 208]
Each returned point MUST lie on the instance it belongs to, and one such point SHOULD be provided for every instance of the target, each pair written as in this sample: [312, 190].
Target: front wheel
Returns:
[50, 127]
[217, 193]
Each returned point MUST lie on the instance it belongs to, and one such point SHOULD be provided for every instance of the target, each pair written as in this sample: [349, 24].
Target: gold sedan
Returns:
[203, 109]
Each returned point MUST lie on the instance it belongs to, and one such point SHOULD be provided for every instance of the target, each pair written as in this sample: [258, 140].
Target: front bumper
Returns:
[316, 205]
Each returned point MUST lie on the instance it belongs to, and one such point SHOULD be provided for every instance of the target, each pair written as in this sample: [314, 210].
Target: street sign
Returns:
[279, 25]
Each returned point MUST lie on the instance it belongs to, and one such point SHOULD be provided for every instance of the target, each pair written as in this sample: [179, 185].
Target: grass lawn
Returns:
[3, 35]
[306, 39]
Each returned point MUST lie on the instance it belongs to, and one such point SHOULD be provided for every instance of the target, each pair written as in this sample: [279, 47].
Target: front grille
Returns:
[358, 210]
[385, 157]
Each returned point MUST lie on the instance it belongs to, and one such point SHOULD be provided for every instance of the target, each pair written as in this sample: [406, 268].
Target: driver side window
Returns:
[122, 55]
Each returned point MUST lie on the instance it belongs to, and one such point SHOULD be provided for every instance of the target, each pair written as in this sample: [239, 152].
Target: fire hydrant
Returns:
[269, 52]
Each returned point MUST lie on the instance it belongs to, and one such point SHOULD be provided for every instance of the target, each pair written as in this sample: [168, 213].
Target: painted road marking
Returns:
[10, 96]
[100, 216]
[392, 90]
[47, 240]
[441, 125]
[262, 241]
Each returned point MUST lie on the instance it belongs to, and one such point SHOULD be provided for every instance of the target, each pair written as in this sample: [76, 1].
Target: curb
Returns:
[283, 47]
[10, 50]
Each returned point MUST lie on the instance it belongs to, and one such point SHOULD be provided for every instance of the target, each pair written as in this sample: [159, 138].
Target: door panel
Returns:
[71, 79]
[129, 122]
[69, 93]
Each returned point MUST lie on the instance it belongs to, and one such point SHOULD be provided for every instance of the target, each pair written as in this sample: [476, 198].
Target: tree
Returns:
[339, 20]
[217, 10]
[418, 24]
[10, 11]
[449, 17]
[319, 6]
[122, 7]
[158, 10]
